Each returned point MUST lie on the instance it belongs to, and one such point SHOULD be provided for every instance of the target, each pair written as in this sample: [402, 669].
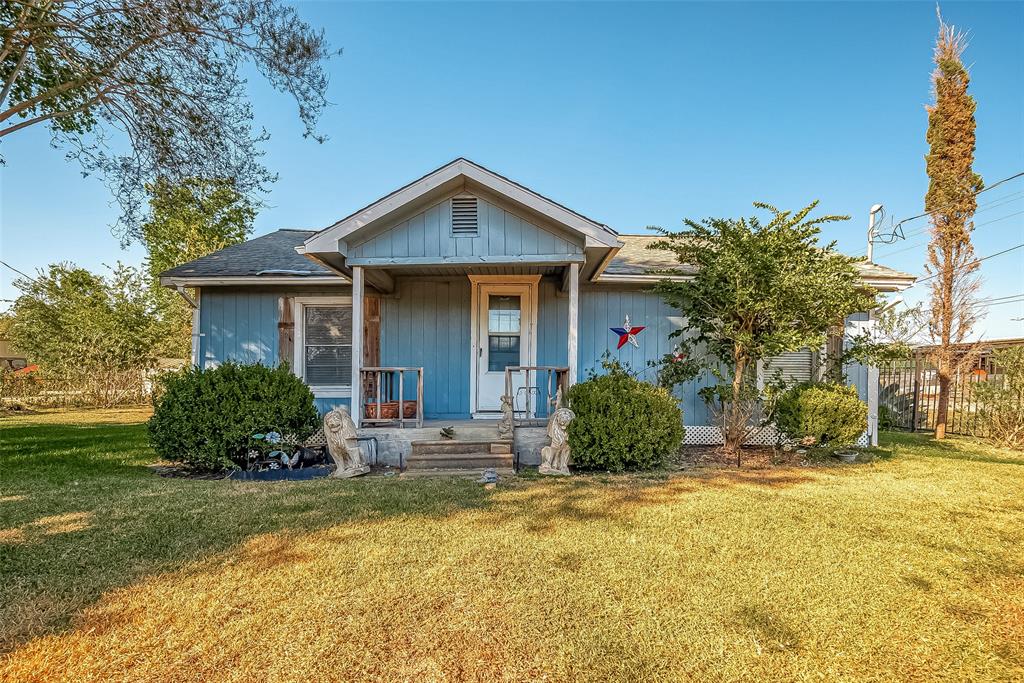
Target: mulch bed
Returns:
[751, 458]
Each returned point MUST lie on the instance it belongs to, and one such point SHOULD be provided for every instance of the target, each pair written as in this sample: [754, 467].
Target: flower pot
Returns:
[846, 456]
[388, 410]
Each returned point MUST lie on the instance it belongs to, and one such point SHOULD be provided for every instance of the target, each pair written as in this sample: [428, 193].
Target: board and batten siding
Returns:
[501, 233]
[240, 324]
[602, 309]
[427, 324]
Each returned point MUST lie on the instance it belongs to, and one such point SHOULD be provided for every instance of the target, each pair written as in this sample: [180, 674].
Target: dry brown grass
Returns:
[905, 569]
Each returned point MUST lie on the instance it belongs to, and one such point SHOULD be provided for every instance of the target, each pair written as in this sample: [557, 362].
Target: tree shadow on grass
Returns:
[82, 514]
[130, 523]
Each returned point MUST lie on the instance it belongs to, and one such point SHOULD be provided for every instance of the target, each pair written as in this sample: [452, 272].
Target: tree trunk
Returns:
[945, 364]
[735, 420]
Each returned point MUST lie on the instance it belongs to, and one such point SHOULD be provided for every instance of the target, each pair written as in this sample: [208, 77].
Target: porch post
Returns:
[357, 344]
[574, 316]
[872, 374]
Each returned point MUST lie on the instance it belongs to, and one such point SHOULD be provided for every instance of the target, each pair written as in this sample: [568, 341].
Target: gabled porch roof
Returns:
[576, 237]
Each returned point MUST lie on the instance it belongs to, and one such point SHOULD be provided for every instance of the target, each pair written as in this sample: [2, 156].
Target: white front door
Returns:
[505, 316]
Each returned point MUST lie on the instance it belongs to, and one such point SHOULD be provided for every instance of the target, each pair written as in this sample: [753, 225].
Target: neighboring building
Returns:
[9, 360]
[461, 273]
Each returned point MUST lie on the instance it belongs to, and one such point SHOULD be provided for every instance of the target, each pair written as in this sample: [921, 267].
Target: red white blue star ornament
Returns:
[627, 334]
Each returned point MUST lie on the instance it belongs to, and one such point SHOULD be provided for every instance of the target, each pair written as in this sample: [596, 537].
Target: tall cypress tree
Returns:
[951, 203]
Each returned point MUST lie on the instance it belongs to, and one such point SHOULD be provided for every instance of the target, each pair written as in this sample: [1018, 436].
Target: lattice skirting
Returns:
[696, 435]
[710, 435]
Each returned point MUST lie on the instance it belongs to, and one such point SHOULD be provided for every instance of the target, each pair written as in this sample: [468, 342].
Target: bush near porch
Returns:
[206, 418]
[622, 423]
[825, 414]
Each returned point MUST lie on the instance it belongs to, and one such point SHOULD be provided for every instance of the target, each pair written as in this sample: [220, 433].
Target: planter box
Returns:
[388, 410]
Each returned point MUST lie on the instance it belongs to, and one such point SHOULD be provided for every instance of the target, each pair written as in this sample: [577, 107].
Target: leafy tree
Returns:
[755, 290]
[188, 220]
[1002, 411]
[951, 203]
[165, 75]
[85, 328]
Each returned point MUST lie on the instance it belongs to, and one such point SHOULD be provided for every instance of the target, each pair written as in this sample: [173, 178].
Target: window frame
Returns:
[299, 305]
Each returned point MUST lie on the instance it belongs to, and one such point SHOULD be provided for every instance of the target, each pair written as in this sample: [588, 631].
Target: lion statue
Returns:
[342, 444]
[554, 459]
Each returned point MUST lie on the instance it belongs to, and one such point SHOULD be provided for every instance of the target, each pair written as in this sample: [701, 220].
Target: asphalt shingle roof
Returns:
[276, 252]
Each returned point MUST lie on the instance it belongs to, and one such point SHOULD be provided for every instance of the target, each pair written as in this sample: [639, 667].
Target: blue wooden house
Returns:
[437, 299]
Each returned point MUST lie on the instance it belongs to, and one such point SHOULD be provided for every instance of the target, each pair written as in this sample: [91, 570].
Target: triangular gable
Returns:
[465, 176]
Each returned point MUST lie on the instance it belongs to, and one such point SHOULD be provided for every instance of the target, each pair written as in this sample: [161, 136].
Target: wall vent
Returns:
[465, 221]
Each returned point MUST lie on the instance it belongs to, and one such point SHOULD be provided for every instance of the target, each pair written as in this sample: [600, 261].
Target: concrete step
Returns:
[456, 473]
[455, 446]
[456, 460]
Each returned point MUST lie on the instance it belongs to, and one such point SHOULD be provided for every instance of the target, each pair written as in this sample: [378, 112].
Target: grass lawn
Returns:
[909, 568]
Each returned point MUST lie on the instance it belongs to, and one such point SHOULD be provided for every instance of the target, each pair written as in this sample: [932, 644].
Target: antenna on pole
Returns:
[875, 210]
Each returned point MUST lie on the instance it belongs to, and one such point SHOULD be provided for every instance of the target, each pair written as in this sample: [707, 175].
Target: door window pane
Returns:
[502, 351]
[503, 314]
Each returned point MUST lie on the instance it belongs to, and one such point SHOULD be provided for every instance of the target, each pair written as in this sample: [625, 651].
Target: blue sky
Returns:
[633, 114]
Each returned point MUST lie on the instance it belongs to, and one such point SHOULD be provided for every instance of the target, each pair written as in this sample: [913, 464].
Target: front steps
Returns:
[455, 457]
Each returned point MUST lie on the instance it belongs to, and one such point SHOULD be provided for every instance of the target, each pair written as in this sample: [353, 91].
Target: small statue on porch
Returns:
[507, 422]
[554, 459]
[342, 445]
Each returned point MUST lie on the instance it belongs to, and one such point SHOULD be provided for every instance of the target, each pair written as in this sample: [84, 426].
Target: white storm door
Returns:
[505, 322]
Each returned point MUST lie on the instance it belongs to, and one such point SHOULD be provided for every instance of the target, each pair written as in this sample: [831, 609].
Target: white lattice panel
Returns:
[710, 435]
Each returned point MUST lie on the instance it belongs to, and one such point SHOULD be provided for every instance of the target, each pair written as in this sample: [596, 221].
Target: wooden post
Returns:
[574, 316]
[286, 332]
[357, 344]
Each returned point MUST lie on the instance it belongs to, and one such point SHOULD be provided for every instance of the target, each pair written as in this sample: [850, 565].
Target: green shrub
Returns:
[622, 422]
[206, 418]
[1002, 402]
[830, 414]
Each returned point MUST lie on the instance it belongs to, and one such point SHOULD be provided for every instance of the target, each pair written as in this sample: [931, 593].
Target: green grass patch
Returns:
[910, 567]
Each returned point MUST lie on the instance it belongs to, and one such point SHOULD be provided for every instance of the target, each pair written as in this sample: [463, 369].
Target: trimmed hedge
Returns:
[622, 423]
[206, 418]
[831, 414]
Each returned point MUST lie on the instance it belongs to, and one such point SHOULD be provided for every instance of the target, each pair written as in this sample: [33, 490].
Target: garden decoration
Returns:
[627, 334]
[342, 444]
[270, 451]
[554, 459]
[506, 424]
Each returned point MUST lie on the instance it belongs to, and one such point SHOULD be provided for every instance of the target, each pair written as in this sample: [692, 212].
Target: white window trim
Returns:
[299, 304]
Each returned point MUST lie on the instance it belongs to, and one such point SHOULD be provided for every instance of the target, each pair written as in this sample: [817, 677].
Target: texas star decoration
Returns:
[627, 334]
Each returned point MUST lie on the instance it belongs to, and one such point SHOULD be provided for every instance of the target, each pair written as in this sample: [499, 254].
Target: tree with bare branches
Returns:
[951, 202]
[140, 90]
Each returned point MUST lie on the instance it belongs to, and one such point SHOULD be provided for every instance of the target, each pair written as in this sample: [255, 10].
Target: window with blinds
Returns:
[327, 341]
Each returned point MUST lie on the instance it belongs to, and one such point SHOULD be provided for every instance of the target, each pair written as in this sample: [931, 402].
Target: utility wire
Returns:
[986, 189]
[974, 262]
[24, 275]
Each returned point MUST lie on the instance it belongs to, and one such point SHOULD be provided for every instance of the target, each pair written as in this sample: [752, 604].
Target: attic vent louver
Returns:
[464, 217]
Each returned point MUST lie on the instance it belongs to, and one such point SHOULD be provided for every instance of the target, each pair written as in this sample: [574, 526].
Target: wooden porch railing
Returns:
[556, 377]
[384, 399]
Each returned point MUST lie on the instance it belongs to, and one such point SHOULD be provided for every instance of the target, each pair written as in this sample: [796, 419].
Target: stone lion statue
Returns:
[506, 424]
[342, 445]
[554, 459]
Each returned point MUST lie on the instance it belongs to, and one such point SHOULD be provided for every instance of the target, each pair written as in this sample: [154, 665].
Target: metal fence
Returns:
[908, 397]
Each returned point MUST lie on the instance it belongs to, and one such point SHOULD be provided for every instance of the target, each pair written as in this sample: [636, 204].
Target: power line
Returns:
[994, 204]
[24, 275]
[974, 262]
[975, 194]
